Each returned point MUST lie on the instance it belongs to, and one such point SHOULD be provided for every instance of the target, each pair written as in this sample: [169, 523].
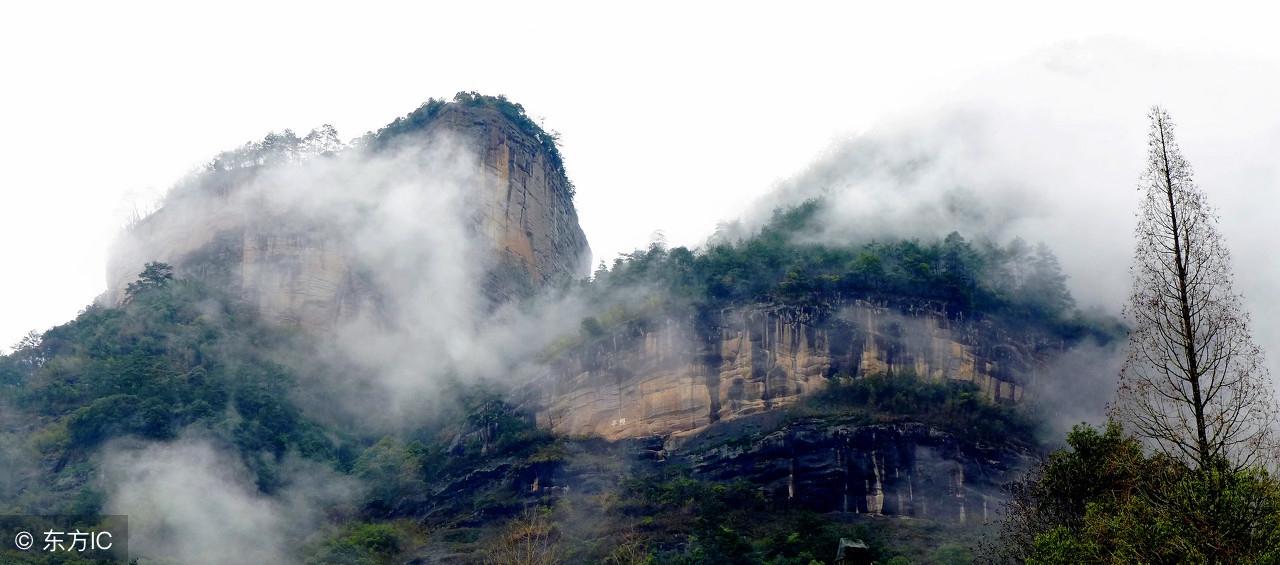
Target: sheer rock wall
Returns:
[305, 273]
[676, 378]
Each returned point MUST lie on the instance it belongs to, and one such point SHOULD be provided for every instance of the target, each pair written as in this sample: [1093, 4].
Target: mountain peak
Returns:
[304, 237]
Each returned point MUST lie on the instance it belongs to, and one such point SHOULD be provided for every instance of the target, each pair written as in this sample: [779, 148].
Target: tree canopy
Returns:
[782, 265]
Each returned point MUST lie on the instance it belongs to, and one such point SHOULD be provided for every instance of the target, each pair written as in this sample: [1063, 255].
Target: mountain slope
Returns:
[381, 355]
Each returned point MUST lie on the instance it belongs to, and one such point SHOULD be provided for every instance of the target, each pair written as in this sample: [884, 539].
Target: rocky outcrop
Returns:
[300, 270]
[676, 377]
[906, 469]
[528, 212]
[825, 464]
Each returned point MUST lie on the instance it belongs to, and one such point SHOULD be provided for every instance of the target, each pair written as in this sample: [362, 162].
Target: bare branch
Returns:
[1194, 382]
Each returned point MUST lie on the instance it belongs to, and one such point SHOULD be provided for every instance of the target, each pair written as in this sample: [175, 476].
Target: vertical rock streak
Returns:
[671, 380]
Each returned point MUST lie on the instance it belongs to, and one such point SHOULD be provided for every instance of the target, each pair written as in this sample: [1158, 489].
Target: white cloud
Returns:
[192, 503]
[1051, 149]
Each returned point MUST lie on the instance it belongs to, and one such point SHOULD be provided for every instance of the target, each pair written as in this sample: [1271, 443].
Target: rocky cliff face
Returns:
[676, 378]
[906, 469]
[528, 211]
[300, 271]
[825, 464]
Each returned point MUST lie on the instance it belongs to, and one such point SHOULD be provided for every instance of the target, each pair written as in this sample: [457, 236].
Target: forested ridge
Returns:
[1179, 472]
[179, 358]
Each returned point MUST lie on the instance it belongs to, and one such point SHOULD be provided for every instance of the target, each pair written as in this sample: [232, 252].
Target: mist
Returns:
[397, 234]
[1048, 150]
[1051, 150]
[190, 502]
[412, 323]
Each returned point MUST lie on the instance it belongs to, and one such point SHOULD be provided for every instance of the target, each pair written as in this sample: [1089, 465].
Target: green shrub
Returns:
[1103, 500]
[955, 406]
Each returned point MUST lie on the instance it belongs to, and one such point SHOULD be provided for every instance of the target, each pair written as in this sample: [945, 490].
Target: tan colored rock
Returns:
[660, 383]
[301, 273]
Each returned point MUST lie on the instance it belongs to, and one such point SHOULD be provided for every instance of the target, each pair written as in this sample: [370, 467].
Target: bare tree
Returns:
[530, 539]
[1194, 381]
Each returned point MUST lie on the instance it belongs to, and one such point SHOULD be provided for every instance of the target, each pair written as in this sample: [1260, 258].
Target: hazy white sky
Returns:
[103, 105]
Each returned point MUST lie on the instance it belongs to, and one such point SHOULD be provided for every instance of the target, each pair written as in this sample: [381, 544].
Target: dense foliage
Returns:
[780, 266]
[177, 355]
[955, 406]
[688, 521]
[177, 358]
[1102, 500]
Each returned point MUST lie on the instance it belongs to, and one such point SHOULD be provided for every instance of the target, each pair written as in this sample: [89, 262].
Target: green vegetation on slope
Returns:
[1102, 500]
[957, 407]
[177, 355]
[180, 356]
[779, 265]
[685, 521]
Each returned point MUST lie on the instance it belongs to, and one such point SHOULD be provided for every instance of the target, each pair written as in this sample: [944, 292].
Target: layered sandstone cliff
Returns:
[528, 213]
[677, 378]
[302, 270]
